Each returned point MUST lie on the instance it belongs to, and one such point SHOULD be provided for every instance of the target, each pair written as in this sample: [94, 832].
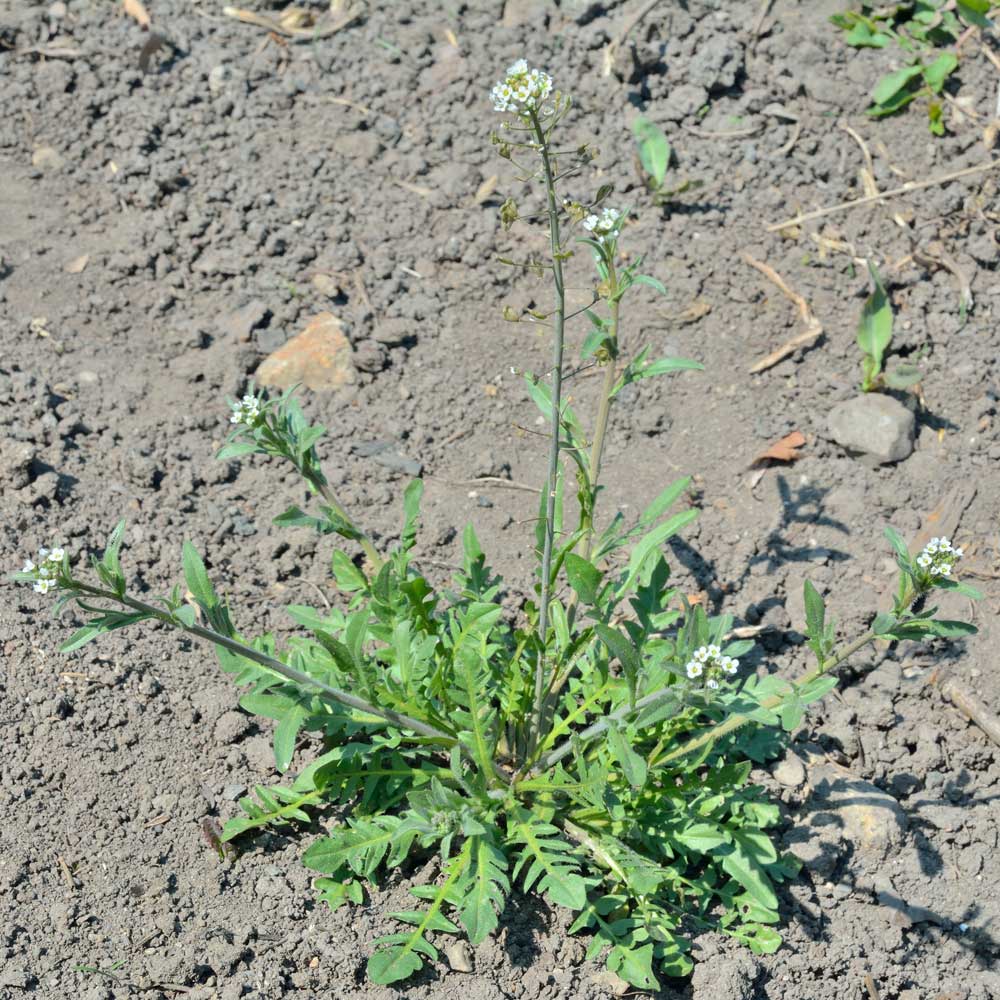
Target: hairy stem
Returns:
[603, 413]
[326, 492]
[558, 319]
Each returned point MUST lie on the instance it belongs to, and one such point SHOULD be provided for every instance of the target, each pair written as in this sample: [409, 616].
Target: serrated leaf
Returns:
[349, 578]
[485, 891]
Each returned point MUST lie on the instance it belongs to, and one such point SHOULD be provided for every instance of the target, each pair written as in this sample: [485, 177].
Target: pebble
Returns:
[790, 771]
[459, 956]
[875, 424]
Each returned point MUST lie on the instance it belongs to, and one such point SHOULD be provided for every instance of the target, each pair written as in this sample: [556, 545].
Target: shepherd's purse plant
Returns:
[595, 748]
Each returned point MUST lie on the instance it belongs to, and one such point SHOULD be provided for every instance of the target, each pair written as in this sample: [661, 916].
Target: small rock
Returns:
[459, 956]
[682, 102]
[319, 357]
[326, 285]
[610, 982]
[874, 423]
[395, 331]
[218, 76]
[46, 158]
[233, 792]
[869, 819]
[16, 458]
[790, 771]
[241, 322]
[369, 356]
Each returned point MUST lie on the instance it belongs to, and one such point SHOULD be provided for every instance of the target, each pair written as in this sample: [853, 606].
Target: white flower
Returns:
[714, 651]
[246, 411]
[522, 90]
[944, 569]
[55, 555]
[45, 572]
[694, 669]
[923, 560]
[43, 554]
[712, 683]
[28, 566]
[701, 654]
[604, 226]
[43, 586]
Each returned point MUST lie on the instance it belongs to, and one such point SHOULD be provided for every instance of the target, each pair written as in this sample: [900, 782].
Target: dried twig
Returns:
[820, 213]
[66, 873]
[295, 34]
[813, 331]
[970, 706]
[868, 172]
[736, 133]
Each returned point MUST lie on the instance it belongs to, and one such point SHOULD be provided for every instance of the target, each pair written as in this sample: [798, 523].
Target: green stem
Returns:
[603, 412]
[556, 418]
[344, 698]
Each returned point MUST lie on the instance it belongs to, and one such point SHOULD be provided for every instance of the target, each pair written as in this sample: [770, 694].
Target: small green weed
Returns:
[920, 30]
[655, 155]
[874, 337]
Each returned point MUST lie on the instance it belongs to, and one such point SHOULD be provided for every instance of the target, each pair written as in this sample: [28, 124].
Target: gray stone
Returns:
[242, 321]
[875, 424]
[395, 331]
[369, 356]
[790, 771]
[459, 956]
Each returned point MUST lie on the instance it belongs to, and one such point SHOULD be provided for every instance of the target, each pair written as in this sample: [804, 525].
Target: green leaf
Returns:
[197, 579]
[635, 965]
[701, 837]
[390, 965]
[647, 279]
[649, 543]
[654, 149]
[975, 11]
[893, 84]
[664, 501]
[236, 449]
[110, 558]
[80, 638]
[897, 543]
[548, 861]
[621, 648]
[633, 766]
[862, 36]
[903, 376]
[584, 577]
[485, 891]
[883, 622]
[959, 588]
[286, 733]
[349, 578]
[660, 367]
[336, 892]
[815, 611]
[816, 688]
[745, 870]
[411, 510]
[875, 328]
[945, 629]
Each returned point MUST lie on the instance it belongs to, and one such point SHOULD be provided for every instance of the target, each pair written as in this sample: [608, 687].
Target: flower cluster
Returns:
[605, 226]
[46, 573]
[246, 411]
[938, 557]
[522, 90]
[709, 662]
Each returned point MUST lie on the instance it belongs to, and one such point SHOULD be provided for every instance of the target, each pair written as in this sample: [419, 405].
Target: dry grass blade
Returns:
[934, 255]
[970, 706]
[812, 333]
[867, 173]
[820, 213]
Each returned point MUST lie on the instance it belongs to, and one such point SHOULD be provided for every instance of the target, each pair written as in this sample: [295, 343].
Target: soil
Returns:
[208, 191]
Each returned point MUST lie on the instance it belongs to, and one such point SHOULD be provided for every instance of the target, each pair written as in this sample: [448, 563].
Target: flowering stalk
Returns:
[558, 323]
[277, 428]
